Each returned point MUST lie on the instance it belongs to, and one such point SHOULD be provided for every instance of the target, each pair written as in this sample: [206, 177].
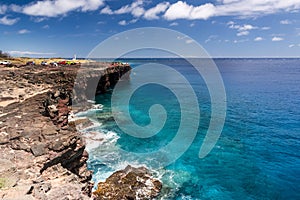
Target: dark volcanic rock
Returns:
[130, 183]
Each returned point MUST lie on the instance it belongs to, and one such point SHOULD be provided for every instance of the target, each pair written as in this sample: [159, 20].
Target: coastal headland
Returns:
[42, 154]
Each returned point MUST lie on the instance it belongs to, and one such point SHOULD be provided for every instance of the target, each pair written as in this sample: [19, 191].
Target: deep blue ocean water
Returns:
[258, 153]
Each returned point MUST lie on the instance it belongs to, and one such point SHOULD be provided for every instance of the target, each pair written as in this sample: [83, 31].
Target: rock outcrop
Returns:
[129, 184]
[42, 156]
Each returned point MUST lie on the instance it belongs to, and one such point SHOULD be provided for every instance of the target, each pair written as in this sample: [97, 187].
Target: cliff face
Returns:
[42, 156]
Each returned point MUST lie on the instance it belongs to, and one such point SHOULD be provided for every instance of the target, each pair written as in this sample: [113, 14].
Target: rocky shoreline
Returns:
[43, 156]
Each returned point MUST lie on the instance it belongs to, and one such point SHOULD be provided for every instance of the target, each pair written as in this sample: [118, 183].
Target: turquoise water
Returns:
[257, 155]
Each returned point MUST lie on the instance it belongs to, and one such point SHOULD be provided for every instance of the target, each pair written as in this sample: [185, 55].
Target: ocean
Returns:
[257, 155]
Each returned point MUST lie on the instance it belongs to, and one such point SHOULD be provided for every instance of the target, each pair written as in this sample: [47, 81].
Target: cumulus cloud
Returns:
[291, 45]
[106, 10]
[46, 26]
[174, 24]
[124, 22]
[241, 8]
[15, 8]
[211, 38]
[181, 10]
[153, 12]
[56, 8]
[135, 8]
[243, 33]
[189, 41]
[245, 27]
[3, 9]
[8, 21]
[277, 39]
[23, 31]
[39, 19]
[242, 29]
[285, 22]
[257, 39]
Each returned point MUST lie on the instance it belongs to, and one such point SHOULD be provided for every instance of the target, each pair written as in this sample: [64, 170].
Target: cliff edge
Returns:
[42, 156]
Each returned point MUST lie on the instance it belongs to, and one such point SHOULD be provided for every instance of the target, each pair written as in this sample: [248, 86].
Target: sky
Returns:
[224, 28]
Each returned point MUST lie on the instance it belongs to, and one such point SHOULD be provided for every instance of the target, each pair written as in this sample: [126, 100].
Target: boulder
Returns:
[130, 183]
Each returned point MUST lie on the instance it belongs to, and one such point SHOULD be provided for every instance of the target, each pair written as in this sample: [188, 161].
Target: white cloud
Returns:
[153, 12]
[181, 10]
[23, 53]
[7, 21]
[181, 37]
[240, 41]
[39, 19]
[101, 22]
[285, 22]
[245, 27]
[106, 10]
[189, 41]
[124, 22]
[174, 24]
[54, 8]
[242, 29]
[210, 38]
[257, 39]
[15, 8]
[46, 27]
[135, 9]
[240, 8]
[265, 28]
[91, 5]
[291, 45]
[243, 33]
[23, 31]
[3, 9]
[276, 39]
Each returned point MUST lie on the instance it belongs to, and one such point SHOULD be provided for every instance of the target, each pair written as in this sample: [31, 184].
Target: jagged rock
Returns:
[38, 149]
[17, 193]
[130, 183]
[4, 138]
[40, 190]
[35, 136]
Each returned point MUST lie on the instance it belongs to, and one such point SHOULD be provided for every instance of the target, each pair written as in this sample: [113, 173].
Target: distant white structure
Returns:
[74, 57]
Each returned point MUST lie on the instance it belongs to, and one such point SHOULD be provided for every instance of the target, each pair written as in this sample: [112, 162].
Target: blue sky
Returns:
[225, 28]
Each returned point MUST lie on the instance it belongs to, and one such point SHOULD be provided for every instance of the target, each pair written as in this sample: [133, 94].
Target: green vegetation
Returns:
[2, 182]
[4, 55]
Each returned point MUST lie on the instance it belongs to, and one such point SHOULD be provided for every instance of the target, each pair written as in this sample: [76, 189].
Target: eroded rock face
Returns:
[46, 157]
[57, 106]
[130, 183]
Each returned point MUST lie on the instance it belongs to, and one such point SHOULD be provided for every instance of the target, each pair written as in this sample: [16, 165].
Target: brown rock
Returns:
[4, 138]
[38, 149]
[130, 183]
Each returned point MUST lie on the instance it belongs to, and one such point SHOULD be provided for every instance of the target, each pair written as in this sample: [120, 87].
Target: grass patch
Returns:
[2, 182]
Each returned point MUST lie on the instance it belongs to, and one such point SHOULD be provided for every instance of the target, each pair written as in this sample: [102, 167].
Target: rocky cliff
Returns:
[42, 156]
